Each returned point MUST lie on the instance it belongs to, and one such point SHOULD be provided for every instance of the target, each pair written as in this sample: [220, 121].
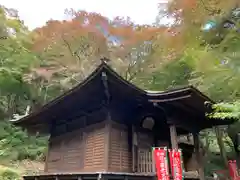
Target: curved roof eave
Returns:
[103, 67]
[177, 94]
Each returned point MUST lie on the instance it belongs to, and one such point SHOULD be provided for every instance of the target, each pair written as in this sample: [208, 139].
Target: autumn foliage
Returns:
[78, 43]
[94, 27]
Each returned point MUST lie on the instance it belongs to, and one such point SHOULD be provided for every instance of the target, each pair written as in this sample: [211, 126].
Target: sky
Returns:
[36, 13]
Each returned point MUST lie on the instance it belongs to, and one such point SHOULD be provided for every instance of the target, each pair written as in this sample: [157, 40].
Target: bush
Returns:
[15, 144]
[9, 174]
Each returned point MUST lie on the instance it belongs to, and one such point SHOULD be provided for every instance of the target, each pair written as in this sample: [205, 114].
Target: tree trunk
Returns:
[219, 134]
[233, 131]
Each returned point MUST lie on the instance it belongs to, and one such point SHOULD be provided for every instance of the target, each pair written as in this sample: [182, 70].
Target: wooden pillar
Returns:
[198, 156]
[173, 136]
[153, 164]
[133, 149]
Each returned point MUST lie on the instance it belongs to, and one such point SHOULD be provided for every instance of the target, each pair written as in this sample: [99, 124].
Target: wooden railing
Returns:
[146, 165]
[145, 162]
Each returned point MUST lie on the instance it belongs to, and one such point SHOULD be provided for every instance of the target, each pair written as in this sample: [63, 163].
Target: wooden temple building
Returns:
[105, 128]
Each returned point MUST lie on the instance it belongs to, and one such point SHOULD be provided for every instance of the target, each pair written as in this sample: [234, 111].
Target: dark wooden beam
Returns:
[185, 107]
[108, 124]
[106, 89]
[173, 136]
[190, 109]
[176, 117]
[185, 110]
[79, 114]
[182, 125]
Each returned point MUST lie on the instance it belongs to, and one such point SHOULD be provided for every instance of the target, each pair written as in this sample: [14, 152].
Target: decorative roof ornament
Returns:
[104, 60]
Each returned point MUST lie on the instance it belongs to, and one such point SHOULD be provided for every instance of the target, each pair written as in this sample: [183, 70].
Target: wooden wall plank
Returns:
[95, 148]
[119, 155]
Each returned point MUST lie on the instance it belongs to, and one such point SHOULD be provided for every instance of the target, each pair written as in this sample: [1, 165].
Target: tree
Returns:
[204, 58]
[16, 60]
[85, 38]
[229, 111]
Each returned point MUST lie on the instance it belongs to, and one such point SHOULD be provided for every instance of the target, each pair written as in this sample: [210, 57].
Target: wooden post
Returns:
[173, 136]
[153, 163]
[133, 149]
[198, 156]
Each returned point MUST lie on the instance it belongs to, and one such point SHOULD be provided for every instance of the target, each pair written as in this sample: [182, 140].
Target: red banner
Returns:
[176, 164]
[160, 156]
